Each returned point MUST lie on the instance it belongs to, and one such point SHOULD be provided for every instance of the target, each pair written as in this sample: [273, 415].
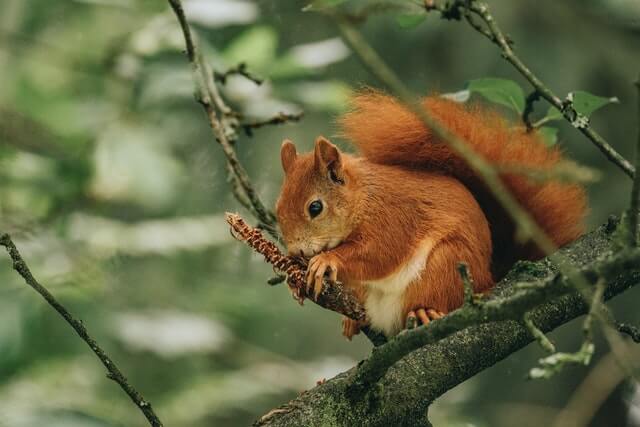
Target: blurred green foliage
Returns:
[114, 188]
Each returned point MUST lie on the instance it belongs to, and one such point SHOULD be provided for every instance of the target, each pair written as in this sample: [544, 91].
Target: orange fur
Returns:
[388, 133]
[396, 221]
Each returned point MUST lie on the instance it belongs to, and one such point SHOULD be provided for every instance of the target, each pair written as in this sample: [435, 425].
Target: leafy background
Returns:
[115, 190]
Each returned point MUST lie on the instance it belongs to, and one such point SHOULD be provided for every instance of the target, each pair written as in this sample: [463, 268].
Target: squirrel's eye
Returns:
[315, 208]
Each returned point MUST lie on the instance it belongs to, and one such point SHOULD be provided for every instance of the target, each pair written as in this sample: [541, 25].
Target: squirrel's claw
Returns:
[422, 316]
[318, 267]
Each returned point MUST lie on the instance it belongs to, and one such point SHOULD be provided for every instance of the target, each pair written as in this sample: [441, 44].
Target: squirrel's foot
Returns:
[320, 264]
[422, 316]
[350, 327]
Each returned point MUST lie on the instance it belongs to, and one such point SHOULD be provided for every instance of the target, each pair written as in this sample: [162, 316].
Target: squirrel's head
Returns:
[315, 208]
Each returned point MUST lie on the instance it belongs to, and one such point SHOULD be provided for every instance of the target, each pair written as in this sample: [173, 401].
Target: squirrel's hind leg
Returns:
[439, 288]
[350, 327]
[422, 316]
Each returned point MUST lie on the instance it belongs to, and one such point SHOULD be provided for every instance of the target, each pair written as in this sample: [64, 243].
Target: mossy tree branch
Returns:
[449, 353]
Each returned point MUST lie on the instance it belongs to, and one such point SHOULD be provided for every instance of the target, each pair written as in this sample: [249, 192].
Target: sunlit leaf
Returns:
[256, 47]
[332, 95]
[501, 91]
[321, 53]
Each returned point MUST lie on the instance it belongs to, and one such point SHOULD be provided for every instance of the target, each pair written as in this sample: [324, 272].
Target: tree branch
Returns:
[278, 119]
[634, 209]
[223, 121]
[113, 372]
[492, 31]
[402, 397]
[241, 70]
[333, 296]
[513, 308]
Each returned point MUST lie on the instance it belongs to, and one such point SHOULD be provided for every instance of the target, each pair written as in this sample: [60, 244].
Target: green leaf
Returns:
[501, 91]
[410, 20]
[584, 103]
[256, 46]
[549, 135]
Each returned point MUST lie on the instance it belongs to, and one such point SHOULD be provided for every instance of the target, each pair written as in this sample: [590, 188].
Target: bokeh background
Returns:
[114, 189]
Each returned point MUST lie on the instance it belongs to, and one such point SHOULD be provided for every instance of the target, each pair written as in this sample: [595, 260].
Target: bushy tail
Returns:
[387, 132]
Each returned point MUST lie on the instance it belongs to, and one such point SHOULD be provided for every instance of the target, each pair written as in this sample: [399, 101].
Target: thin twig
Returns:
[333, 296]
[279, 119]
[222, 125]
[538, 334]
[493, 32]
[467, 282]
[240, 70]
[634, 209]
[113, 372]
[528, 109]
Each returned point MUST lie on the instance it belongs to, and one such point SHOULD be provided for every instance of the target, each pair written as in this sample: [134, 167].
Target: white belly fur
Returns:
[385, 297]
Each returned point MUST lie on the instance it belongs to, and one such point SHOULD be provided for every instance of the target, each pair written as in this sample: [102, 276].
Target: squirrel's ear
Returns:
[328, 159]
[287, 155]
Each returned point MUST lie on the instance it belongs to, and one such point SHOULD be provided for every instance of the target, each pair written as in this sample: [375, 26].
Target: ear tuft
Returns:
[288, 155]
[328, 159]
[326, 152]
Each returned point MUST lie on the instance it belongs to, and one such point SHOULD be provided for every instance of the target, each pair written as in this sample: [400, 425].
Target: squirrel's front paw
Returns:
[319, 265]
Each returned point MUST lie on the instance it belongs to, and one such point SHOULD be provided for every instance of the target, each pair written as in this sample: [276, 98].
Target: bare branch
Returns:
[528, 109]
[240, 70]
[278, 119]
[538, 334]
[333, 296]
[223, 122]
[113, 372]
[634, 209]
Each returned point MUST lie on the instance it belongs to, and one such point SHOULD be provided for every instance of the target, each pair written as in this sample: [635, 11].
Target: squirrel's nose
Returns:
[294, 250]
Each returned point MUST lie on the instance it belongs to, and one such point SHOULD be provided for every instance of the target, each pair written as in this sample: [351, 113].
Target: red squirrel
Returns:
[393, 223]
